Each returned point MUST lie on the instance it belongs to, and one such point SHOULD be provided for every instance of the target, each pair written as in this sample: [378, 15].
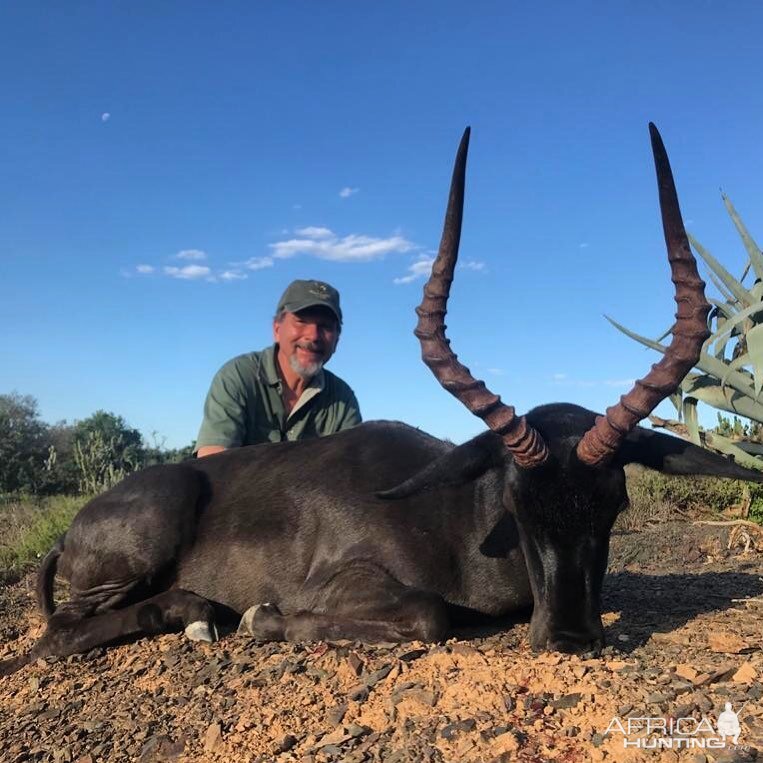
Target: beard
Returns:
[306, 370]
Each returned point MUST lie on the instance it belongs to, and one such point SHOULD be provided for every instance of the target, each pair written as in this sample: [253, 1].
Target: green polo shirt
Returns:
[244, 405]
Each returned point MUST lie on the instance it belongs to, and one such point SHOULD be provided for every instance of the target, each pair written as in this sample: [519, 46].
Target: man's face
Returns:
[307, 339]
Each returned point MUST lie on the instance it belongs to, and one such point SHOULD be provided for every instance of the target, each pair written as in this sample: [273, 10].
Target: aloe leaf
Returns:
[633, 335]
[676, 399]
[665, 333]
[724, 445]
[690, 419]
[707, 363]
[740, 381]
[738, 320]
[739, 362]
[727, 310]
[753, 250]
[707, 389]
[725, 293]
[755, 352]
[731, 283]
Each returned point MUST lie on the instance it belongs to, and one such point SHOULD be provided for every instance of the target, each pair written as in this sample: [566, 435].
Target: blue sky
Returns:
[168, 168]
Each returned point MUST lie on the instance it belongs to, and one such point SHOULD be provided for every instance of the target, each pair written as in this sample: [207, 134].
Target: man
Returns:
[282, 392]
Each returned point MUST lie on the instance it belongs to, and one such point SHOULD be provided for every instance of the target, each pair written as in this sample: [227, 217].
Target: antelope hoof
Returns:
[201, 631]
[246, 626]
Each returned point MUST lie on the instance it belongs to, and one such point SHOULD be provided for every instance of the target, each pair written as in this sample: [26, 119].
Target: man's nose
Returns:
[311, 331]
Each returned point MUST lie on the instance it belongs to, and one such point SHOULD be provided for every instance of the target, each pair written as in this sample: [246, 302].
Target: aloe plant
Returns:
[729, 374]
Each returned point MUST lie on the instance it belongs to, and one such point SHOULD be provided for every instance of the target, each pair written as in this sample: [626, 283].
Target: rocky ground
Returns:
[683, 621]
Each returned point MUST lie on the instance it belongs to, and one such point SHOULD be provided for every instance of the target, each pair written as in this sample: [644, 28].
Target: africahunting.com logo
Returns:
[678, 733]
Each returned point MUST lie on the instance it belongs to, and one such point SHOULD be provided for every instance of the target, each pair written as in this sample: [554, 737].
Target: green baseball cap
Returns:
[300, 295]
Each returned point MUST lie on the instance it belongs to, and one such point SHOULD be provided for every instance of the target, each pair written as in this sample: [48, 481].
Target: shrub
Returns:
[28, 529]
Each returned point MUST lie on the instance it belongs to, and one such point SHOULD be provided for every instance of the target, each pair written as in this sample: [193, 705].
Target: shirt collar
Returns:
[268, 370]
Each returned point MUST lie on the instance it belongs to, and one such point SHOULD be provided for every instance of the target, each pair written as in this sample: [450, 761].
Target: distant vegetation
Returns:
[49, 471]
[85, 457]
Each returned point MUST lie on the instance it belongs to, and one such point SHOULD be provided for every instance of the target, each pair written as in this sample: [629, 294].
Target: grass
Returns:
[28, 528]
[656, 497]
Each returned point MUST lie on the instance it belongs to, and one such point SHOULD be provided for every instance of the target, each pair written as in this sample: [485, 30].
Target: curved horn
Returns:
[524, 443]
[689, 331]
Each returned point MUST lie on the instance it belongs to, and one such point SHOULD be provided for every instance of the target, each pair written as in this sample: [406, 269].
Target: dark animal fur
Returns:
[315, 529]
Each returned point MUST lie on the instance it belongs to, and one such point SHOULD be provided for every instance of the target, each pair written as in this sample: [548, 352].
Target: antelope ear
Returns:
[456, 467]
[673, 455]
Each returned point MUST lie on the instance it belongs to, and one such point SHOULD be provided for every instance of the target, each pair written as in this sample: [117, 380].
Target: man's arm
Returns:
[223, 425]
[209, 450]
[351, 417]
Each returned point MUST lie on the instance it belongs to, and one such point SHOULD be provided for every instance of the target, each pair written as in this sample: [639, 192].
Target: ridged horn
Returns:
[690, 330]
[525, 444]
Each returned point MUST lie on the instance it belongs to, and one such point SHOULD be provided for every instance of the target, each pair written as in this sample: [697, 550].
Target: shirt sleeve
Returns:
[351, 417]
[224, 421]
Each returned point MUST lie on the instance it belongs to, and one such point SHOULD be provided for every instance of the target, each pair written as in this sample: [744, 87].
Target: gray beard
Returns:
[305, 372]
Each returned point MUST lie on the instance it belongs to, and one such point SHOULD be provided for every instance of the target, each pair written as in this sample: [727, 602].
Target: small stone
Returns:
[726, 643]
[597, 740]
[355, 663]
[745, 675]
[213, 737]
[378, 675]
[568, 700]
[336, 714]
[287, 743]
[414, 654]
[358, 693]
[687, 672]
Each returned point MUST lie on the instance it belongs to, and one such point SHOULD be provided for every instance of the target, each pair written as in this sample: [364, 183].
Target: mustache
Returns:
[312, 346]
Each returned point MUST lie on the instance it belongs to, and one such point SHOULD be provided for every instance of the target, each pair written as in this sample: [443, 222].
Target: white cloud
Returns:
[145, 268]
[105, 116]
[258, 263]
[472, 265]
[560, 377]
[188, 272]
[346, 192]
[313, 231]
[623, 383]
[326, 245]
[496, 371]
[584, 245]
[191, 254]
[419, 269]
[232, 275]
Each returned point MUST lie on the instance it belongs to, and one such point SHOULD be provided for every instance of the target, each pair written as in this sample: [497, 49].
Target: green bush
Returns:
[29, 527]
[656, 497]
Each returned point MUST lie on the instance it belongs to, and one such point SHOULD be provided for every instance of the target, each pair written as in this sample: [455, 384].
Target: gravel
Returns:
[684, 638]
